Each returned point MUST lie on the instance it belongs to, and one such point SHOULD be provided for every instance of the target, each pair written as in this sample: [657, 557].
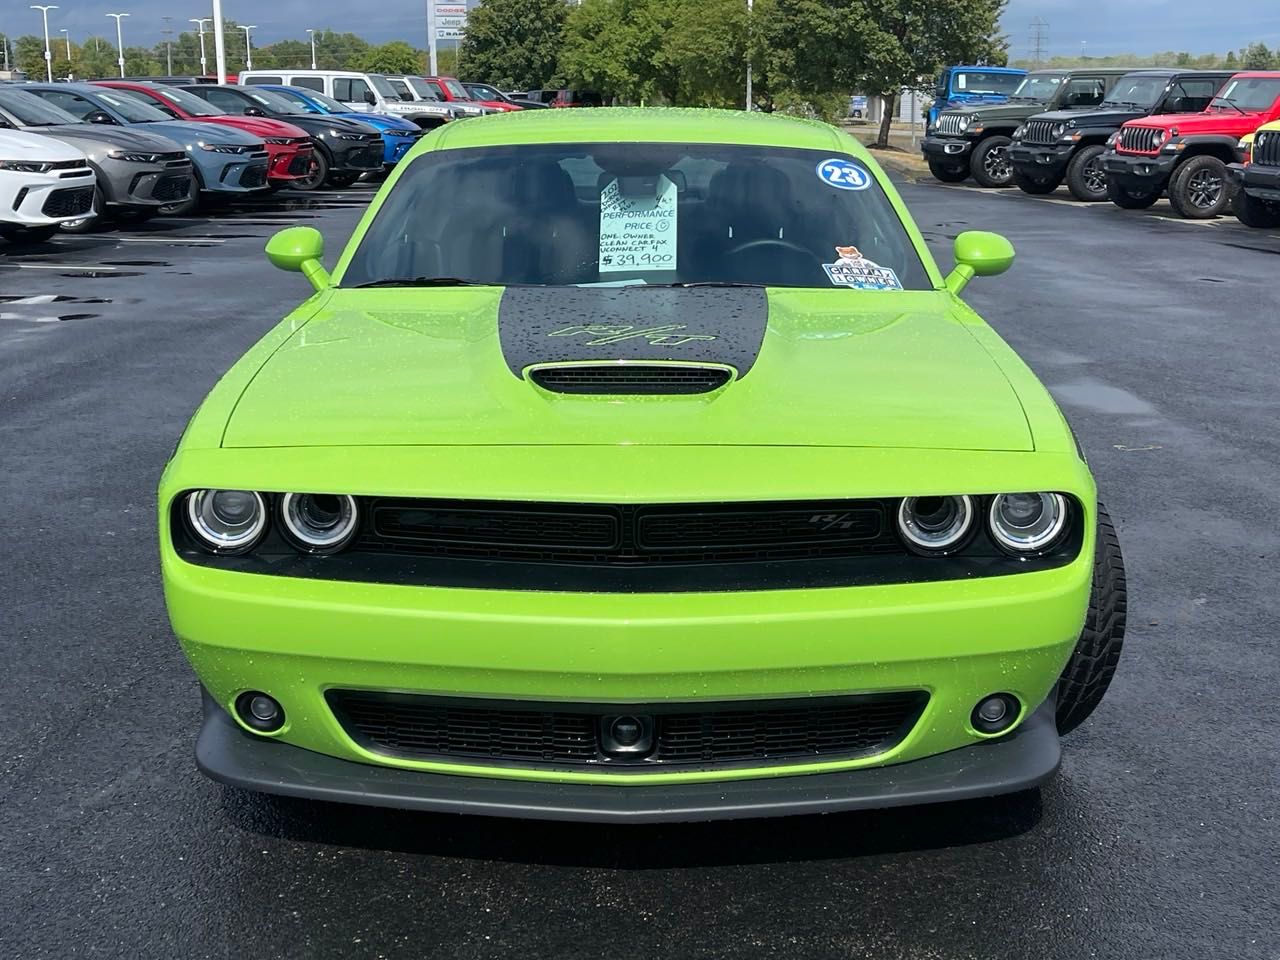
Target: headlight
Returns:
[1113, 139]
[226, 521]
[319, 522]
[935, 524]
[1058, 130]
[1020, 132]
[965, 122]
[25, 166]
[134, 157]
[347, 136]
[226, 148]
[1027, 523]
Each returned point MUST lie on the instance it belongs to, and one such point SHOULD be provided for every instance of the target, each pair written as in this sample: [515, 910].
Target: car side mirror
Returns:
[99, 116]
[299, 249]
[978, 254]
[369, 98]
[254, 112]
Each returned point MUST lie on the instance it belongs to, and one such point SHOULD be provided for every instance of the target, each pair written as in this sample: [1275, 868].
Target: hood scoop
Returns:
[624, 378]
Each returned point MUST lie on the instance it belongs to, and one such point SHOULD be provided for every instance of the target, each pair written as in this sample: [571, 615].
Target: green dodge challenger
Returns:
[637, 465]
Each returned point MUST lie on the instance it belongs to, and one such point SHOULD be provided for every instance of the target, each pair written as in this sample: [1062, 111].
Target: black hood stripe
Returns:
[564, 324]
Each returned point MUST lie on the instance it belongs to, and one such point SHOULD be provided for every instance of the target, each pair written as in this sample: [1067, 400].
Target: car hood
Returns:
[258, 126]
[91, 137]
[188, 133]
[16, 145]
[316, 124]
[822, 368]
[999, 111]
[1091, 116]
[1216, 121]
[380, 121]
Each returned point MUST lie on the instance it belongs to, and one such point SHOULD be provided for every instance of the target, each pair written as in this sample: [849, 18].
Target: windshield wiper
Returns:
[705, 283]
[422, 282]
[1233, 104]
[1126, 103]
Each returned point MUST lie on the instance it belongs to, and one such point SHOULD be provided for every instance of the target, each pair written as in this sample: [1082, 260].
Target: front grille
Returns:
[1266, 149]
[1039, 131]
[300, 164]
[629, 535]
[254, 176]
[949, 125]
[630, 379]
[72, 202]
[169, 189]
[1140, 139]
[366, 157]
[417, 727]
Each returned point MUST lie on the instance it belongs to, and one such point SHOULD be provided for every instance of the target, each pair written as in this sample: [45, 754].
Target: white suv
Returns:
[359, 92]
[43, 182]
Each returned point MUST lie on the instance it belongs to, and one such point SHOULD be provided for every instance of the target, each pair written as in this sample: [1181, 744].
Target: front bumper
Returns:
[1017, 762]
[42, 199]
[240, 174]
[143, 186]
[1041, 160]
[357, 156]
[395, 147]
[946, 148]
[1139, 172]
[1262, 181]
[287, 162]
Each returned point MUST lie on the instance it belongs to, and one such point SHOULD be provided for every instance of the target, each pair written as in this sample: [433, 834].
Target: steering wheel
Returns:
[751, 245]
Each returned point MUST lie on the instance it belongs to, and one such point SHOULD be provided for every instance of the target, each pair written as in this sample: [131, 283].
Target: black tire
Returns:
[343, 179]
[946, 172]
[1086, 179]
[15, 234]
[183, 206]
[1252, 212]
[1093, 663]
[318, 174]
[1036, 186]
[989, 163]
[89, 223]
[1130, 199]
[1200, 188]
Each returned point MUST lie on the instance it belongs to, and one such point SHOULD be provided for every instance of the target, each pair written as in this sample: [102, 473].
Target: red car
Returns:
[288, 147]
[452, 90]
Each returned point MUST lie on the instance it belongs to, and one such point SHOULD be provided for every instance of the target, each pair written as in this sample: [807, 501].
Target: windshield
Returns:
[456, 90]
[482, 91]
[638, 213]
[1139, 91]
[385, 90]
[30, 111]
[978, 82]
[131, 108]
[187, 101]
[424, 90]
[1249, 93]
[329, 104]
[1038, 86]
[274, 102]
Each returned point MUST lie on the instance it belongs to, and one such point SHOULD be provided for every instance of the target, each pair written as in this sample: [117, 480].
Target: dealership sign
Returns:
[451, 21]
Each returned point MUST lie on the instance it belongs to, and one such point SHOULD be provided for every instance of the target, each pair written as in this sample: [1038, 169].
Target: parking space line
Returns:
[78, 267]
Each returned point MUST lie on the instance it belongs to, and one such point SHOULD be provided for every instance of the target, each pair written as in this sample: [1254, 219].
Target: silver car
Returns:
[137, 172]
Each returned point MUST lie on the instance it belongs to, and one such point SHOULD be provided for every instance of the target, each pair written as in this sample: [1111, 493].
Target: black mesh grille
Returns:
[169, 189]
[1039, 131]
[300, 164]
[68, 203]
[425, 728]
[612, 535]
[630, 378]
[254, 176]
[1140, 139]
[1266, 149]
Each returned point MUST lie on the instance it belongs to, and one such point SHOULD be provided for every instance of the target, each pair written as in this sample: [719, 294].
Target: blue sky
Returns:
[1108, 26]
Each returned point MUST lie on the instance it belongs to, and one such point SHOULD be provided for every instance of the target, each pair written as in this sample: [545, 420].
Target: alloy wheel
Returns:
[996, 163]
[1205, 189]
[1094, 176]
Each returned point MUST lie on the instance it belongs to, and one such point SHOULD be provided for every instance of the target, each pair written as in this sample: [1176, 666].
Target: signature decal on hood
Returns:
[603, 334]
[538, 325]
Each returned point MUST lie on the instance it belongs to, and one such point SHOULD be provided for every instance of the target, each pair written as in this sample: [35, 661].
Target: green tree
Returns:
[1230, 62]
[1258, 57]
[706, 52]
[614, 47]
[291, 54]
[29, 55]
[514, 43]
[394, 57]
[339, 51]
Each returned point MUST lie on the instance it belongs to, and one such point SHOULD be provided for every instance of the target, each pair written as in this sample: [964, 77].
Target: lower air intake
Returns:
[630, 379]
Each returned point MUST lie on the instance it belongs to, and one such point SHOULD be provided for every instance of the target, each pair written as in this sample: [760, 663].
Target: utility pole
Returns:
[119, 41]
[313, 48]
[1083, 46]
[749, 8]
[219, 43]
[433, 67]
[1039, 39]
[48, 59]
[248, 50]
[200, 22]
[67, 37]
[168, 44]
[5, 37]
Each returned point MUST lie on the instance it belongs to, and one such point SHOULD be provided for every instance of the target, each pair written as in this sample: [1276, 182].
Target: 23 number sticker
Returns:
[843, 174]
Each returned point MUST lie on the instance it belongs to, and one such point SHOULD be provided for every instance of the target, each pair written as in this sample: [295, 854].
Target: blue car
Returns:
[963, 83]
[398, 134]
[225, 161]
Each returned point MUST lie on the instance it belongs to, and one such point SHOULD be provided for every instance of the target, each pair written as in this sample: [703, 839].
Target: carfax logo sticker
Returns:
[843, 174]
[856, 271]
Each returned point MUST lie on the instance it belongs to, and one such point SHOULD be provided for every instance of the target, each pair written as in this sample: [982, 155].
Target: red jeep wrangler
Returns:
[1188, 153]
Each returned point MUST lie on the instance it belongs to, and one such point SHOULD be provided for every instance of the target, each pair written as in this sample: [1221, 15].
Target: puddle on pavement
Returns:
[42, 298]
[50, 318]
[91, 274]
[136, 263]
[1101, 397]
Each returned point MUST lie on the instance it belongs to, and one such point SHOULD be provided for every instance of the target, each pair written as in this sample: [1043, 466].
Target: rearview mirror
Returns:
[99, 116]
[978, 254]
[254, 112]
[299, 249]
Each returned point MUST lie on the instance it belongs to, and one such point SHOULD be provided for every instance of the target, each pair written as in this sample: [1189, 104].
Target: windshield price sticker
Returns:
[638, 233]
[843, 174]
[856, 271]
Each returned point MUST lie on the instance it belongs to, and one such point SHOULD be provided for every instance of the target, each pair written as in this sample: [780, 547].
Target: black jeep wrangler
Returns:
[1068, 144]
[973, 140]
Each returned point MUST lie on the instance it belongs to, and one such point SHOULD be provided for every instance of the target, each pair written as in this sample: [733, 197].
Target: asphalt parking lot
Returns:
[1158, 839]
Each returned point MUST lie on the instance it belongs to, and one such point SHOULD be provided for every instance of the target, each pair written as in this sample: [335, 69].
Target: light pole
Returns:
[48, 60]
[67, 37]
[119, 41]
[748, 56]
[248, 50]
[432, 59]
[219, 43]
[313, 48]
[200, 22]
[168, 44]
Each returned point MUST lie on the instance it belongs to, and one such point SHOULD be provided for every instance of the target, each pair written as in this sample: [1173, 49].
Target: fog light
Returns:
[260, 712]
[626, 736]
[996, 713]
